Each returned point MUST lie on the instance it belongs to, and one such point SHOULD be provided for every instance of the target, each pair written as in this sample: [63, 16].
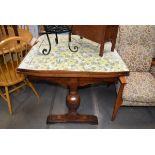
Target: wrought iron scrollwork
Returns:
[75, 48]
[57, 29]
[44, 51]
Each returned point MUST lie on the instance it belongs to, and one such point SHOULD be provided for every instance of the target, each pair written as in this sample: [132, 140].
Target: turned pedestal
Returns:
[73, 103]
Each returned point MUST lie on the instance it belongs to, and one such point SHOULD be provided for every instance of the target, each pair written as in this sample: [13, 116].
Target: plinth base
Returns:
[69, 118]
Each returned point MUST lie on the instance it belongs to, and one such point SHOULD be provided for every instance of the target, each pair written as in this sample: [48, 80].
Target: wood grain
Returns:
[12, 52]
[98, 33]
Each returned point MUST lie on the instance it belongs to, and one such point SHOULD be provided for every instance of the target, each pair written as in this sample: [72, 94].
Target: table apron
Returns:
[65, 81]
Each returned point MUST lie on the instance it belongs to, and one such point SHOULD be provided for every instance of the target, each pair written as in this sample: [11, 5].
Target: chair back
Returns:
[12, 51]
[25, 27]
[3, 32]
[14, 30]
[8, 31]
[137, 57]
[143, 35]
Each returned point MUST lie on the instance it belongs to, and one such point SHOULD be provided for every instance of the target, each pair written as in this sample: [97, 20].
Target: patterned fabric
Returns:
[136, 34]
[136, 46]
[61, 58]
[136, 57]
[140, 87]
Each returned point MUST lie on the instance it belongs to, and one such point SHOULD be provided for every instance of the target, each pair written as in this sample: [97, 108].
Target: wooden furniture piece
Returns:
[14, 30]
[72, 70]
[153, 67]
[135, 44]
[139, 86]
[153, 61]
[12, 53]
[97, 33]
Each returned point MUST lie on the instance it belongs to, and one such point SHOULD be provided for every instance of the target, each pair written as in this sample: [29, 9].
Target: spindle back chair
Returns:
[13, 50]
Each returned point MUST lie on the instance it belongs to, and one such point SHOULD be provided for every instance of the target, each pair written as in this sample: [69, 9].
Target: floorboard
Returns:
[97, 99]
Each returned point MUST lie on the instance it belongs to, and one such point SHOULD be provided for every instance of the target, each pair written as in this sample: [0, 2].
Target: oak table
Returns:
[72, 70]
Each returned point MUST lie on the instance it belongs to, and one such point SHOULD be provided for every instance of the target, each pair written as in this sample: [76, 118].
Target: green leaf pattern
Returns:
[61, 58]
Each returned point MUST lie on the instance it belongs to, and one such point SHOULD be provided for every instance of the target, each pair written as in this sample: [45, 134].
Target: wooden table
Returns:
[72, 70]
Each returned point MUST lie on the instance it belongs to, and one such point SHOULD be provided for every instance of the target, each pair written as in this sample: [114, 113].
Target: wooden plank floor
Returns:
[96, 99]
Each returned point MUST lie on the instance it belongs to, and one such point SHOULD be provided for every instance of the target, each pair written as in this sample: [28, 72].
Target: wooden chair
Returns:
[138, 89]
[15, 30]
[7, 31]
[153, 67]
[13, 51]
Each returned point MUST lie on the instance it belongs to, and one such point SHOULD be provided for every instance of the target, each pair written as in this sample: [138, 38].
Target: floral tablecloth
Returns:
[61, 58]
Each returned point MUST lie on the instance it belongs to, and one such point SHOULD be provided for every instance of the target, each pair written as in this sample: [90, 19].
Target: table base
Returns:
[73, 99]
[71, 118]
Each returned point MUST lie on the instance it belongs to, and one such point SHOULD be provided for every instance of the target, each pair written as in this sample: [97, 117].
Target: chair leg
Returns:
[32, 87]
[8, 100]
[118, 102]
[2, 95]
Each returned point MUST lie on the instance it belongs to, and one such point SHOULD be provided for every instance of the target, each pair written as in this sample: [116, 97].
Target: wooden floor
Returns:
[96, 99]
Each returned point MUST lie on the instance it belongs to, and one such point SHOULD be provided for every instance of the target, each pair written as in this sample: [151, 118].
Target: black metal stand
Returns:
[75, 47]
[58, 29]
[44, 51]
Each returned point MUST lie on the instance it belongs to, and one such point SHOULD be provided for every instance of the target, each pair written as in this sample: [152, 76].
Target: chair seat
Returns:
[140, 87]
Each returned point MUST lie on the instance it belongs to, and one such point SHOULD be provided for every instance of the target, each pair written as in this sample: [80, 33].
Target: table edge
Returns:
[62, 73]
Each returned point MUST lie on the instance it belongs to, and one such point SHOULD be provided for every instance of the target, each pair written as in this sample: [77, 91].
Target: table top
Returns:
[64, 63]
